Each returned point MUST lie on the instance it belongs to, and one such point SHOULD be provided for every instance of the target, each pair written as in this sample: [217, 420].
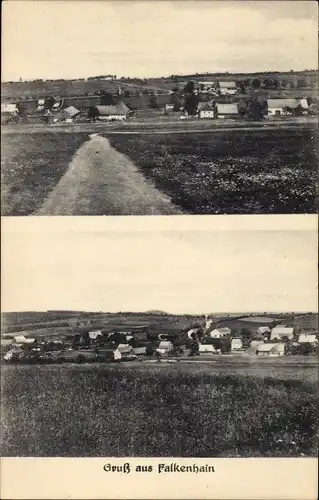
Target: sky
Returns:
[203, 267]
[55, 39]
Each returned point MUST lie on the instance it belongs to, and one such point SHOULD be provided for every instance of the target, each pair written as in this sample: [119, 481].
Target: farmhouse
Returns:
[71, 113]
[278, 107]
[9, 112]
[169, 107]
[217, 333]
[8, 108]
[270, 349]
[227, 88]
[139, 351]
[109, 353]
[254, 344]
[227, 110]
[310, 338]
[125, 349]
[206, 110]
[165, 347]
[94, 334]
[206, 349]
[14, 353]
[279, 332]
[118, 111]
[41, 103]
[236, 344]
[23, 339]
[206, 86]
[263, 330]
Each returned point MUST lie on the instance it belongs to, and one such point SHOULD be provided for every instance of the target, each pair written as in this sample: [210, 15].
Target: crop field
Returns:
[229, 172]
[31, 165]
[183, 410]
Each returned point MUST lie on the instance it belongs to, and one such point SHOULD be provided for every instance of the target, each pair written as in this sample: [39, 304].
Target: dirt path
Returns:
[102, 181]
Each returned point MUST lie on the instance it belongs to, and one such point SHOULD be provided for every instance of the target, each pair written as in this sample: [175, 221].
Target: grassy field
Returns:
[158, 411]
[31, 165]
[225, 171]
[260, 171]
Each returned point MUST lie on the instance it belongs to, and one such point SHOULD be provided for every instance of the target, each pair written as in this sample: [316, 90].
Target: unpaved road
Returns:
[102, 181]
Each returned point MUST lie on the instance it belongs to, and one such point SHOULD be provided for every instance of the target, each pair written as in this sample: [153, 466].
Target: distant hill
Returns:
[158, 313]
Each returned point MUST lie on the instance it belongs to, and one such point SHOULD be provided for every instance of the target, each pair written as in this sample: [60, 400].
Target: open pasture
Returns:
[31, 165]
[185, 409]
[230, 172]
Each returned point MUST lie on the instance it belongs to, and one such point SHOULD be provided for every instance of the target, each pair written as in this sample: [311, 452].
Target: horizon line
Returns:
[290, 71]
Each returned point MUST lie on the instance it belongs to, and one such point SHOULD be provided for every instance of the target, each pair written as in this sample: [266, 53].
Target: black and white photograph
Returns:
[159, 342]
[159, 251]
[159, 107]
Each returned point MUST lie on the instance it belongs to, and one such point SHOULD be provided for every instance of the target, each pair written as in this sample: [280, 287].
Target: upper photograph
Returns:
[159, 108]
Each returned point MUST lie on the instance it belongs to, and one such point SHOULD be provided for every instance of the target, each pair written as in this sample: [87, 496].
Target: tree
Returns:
[242, 108]
[127, 93]
[256, 83]
[93, 113]
[49, 102]
[194, 348]
[242, 87]
[189, 87]
[256, 110]
[246, 335]
[176, 101]
[190, 104]
[106, 98]
[153, 102]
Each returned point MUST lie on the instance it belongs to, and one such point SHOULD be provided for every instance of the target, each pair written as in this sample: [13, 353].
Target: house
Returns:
[41, 104]
[22, 339]
[94, 334]
[277, 107]
[165, 346]
[8, 108]
[227, 110]
[206, 349]
[236, 344]
[270, 349]
[310, 338]
[109, 353]
[9, 112]
[139, 351]
[169, 107]
[118, 111]
[206, 110]
[206, 86]
[227, 88]
[71, 113]
[279, 332]
[217, 333]
[263, 330]
[14, 353]
[67, 115]
[125, 349]
[254, 344]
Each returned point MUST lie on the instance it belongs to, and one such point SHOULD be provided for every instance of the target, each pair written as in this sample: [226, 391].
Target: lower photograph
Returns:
[191, 337]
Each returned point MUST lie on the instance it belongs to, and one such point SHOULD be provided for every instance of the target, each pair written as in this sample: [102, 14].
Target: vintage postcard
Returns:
[159, 319]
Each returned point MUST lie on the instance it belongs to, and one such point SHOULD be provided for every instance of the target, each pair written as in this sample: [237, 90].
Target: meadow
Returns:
[230, 172]
[185, 410]
[31, 165]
